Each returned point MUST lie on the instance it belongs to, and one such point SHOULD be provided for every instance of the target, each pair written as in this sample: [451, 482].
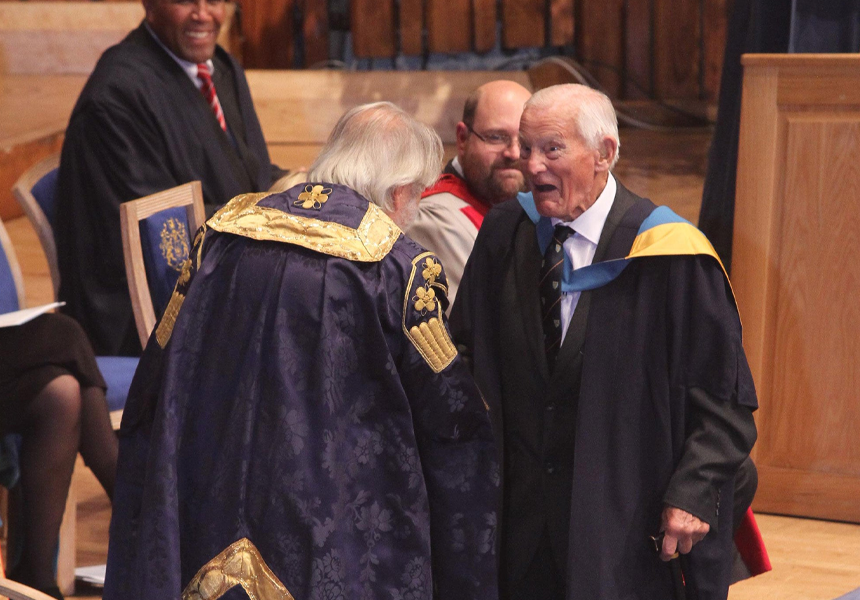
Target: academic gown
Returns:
[661, 399]
[141, 126]
[301, 392]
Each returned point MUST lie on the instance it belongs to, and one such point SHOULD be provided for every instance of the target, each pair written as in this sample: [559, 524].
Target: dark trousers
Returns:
[542, 580]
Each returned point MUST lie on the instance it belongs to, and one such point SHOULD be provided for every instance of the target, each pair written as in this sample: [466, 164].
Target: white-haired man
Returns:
[302, 424]
[483, 174]
[613, 367]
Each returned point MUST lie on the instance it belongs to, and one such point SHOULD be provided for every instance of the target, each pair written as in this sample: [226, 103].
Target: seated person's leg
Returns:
[99, 444]
[51, 435]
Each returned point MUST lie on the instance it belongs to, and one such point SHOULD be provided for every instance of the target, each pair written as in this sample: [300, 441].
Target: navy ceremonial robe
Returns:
[649, 403]
[141, 126]
[301, 393]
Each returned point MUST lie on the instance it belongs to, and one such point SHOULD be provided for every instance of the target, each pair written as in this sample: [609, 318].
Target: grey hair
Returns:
[375, 148]
[591, 111]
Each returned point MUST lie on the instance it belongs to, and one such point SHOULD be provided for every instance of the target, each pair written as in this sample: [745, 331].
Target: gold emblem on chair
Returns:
[240, 564]
[174, 243]
[313, 197]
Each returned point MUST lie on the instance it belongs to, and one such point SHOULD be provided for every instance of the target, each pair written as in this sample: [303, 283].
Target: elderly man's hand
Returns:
[682, 530]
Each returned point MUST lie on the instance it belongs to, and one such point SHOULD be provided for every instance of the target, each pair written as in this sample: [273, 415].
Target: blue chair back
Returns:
[165, 241]
[8, 291]
[45, 193]
[10, 294]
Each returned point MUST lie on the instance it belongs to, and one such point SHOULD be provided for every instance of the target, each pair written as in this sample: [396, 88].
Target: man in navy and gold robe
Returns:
[301, 425]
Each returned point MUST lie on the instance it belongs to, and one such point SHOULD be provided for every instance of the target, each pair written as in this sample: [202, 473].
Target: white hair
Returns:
[376, 148]
[591, 111]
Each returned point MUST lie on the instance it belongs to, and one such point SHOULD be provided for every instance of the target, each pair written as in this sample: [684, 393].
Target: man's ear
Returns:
[402, 195]
[606, 153]
[462, 132]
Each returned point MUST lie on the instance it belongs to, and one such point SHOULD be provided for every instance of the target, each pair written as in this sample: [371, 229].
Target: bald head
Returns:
[487, 140]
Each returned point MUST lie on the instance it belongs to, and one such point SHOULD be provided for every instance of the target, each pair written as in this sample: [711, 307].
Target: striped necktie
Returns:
[208, 91]
[551, 273]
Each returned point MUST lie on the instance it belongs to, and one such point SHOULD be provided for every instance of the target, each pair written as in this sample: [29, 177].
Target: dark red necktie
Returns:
[208, 91]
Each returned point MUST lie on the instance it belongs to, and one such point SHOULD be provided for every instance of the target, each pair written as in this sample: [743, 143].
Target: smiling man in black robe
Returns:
[604, 336]
[144, 123]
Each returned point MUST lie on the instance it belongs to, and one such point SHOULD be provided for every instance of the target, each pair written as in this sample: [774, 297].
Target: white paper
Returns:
[94, 575]
[19, 317]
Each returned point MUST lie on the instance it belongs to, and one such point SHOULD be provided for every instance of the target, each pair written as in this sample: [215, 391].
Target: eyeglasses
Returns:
[496, 140]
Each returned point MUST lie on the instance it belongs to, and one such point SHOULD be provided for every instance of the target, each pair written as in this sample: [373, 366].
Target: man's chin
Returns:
[508, 187]
[548, 206]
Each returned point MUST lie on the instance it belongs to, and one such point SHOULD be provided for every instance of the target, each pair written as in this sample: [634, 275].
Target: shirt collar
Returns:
[190, 68]
[457, 167]
[590, 223]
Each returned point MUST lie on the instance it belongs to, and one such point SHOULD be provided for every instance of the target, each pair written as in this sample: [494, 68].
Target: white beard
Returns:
[404, 217]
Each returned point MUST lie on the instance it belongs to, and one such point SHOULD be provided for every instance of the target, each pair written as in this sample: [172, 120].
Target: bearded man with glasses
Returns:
[484, 173]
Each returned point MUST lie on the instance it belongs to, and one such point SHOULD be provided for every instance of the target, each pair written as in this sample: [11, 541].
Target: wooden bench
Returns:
[297, 110]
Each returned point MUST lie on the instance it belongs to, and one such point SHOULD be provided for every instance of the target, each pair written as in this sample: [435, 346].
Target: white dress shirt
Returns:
[581, 246]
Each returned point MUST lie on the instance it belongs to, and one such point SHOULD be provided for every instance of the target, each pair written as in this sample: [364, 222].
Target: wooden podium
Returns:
[796, 274]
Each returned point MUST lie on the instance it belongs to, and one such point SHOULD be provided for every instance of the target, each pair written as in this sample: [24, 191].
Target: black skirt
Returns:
[34, 354]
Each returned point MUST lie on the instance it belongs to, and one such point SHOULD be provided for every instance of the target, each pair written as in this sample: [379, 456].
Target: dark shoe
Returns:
[22, 575]
[53, 592]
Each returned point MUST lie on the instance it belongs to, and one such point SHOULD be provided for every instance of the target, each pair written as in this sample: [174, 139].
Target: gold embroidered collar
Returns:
[370, 242]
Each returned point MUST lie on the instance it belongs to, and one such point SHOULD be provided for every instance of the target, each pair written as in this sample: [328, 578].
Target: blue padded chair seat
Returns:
[118, 372]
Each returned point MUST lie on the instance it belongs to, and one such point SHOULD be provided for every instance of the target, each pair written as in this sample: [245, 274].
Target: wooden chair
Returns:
[157, 233]
[36, 191]
[16, 591]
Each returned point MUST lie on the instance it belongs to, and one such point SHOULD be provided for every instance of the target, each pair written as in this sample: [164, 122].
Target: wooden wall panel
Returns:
[315, 30]
[449, 25]
[485, 16]
[715, 19]
[268, 29]
[677, 26]
[600, 41]
[523, 23]
[638, 40]
[561, 22]
[673, 48]
[372, 28]
[797, 213]
[411, 26]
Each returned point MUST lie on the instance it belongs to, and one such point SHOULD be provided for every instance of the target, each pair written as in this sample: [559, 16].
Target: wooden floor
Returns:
[812, 560]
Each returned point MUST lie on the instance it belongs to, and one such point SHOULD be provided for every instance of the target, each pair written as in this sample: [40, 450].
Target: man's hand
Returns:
[682, 530]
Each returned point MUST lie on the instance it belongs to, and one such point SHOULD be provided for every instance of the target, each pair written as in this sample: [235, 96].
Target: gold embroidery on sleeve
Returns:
[430, 337]
[168, 320]
[240, 564]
